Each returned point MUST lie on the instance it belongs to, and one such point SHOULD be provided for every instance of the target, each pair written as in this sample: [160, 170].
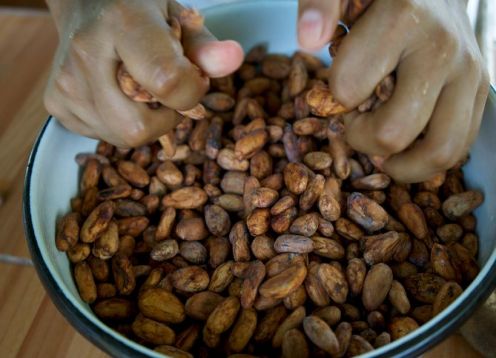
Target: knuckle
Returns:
[343, 88]
[485, 79]
[406, 14]
[471, 63]
[65, 83]
[387, 138]
[136, 135]
[446, 42]
[51, 103]
[442, 158]
[164, 80]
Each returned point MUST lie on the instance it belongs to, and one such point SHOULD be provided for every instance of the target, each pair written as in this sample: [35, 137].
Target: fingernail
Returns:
[310, 28]
[215, 58]
[210, 58]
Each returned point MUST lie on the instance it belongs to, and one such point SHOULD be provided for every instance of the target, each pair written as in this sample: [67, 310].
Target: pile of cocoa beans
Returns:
[259, 232]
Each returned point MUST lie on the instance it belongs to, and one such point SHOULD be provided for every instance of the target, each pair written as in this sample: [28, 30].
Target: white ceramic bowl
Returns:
[52, 179]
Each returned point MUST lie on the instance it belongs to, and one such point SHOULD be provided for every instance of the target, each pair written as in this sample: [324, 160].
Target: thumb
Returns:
[317, 21]
[215, 58]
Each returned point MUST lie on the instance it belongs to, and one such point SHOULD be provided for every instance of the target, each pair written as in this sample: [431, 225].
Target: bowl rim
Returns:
[404, 347]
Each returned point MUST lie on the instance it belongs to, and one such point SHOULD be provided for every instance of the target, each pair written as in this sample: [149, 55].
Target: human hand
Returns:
[96, 35]
[441, 80]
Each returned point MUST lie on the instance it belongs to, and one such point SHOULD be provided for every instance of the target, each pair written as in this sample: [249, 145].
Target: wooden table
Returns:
[30, 325]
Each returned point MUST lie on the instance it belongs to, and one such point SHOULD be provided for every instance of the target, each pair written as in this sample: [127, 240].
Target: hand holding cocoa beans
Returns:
[441, 87]
[164, 55]
[97, 36]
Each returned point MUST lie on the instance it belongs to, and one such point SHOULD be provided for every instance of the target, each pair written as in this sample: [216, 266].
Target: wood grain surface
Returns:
[30, 325]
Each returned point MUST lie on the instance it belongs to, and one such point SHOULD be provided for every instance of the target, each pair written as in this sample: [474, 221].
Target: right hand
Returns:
[435, 111]
[96, 35]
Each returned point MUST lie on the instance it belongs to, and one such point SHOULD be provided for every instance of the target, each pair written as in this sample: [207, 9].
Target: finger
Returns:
[479, 104]
[370, 51]
[58, 100]
[215, 58]
[75, 124]
[70, 120]
[76, 107]
[443, 144]
[155, 59]
[317, 21]
[124, 122]
[395, 124]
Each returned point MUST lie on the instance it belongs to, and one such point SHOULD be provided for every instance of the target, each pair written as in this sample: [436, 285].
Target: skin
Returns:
[95, 35]
[441, 80]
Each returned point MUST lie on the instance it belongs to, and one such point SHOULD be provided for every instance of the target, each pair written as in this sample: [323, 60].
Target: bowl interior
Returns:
[52, 177]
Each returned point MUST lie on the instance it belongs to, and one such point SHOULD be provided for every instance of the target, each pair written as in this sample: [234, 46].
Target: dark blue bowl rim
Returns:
[410, 348]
